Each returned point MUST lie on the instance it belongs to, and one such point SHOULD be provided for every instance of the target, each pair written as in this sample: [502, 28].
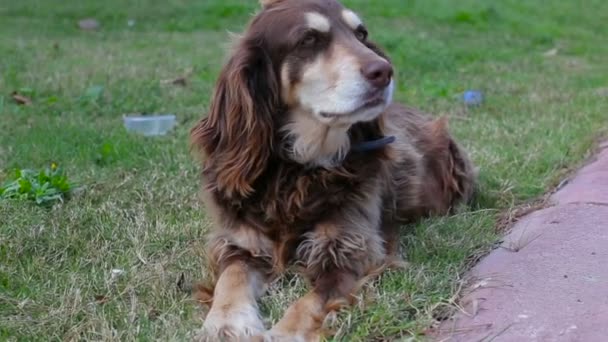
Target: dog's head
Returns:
[324, 61]
[305, 56]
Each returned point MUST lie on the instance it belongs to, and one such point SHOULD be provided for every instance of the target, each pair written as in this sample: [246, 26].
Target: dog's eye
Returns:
[309, 40]
[361, 33]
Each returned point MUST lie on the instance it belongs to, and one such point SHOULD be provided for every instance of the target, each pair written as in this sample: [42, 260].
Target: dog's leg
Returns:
[234, 313]
[303, 320]
[337, 258]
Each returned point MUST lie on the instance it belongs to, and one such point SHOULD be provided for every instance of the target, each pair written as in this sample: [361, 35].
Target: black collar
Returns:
[372, 145]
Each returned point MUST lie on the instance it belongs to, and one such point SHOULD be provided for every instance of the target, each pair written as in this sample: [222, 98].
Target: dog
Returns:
[307, 163]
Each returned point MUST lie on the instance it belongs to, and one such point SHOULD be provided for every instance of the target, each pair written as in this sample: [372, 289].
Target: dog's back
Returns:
[432, 173]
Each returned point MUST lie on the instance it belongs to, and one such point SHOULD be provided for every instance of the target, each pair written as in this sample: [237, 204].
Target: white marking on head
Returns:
[285, 89]
[317, 21]
[351, 19]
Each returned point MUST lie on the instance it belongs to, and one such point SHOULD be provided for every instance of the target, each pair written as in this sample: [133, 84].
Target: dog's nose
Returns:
[378, 73]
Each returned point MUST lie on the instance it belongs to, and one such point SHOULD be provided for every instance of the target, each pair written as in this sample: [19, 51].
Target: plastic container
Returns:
[472, 98]
[149, 125]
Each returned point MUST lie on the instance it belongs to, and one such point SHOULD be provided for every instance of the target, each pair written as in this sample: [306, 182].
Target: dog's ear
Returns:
[236, 137]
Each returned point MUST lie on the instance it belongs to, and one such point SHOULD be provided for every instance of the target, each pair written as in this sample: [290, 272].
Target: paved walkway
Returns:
[549, 279]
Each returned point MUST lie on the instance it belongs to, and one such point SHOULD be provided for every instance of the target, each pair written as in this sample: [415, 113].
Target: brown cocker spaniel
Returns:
[308, 163]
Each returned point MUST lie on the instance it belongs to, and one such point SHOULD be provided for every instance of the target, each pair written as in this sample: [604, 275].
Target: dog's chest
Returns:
[294, 198]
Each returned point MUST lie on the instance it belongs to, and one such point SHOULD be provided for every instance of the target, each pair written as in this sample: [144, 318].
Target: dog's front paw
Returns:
[231, 325]
[276, 335]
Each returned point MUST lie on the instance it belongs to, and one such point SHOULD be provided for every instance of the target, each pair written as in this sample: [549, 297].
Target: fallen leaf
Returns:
[88, 24]
[181, 81]
[153, 314]
[101, 299]
[21, 99]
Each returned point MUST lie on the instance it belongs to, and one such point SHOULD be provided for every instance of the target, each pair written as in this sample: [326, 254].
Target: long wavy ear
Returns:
[236, 137]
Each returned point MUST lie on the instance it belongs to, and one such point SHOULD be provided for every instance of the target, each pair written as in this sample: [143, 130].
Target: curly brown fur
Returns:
[281, 178]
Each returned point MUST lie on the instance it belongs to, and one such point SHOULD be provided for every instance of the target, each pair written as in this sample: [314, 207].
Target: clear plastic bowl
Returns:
[149, 125]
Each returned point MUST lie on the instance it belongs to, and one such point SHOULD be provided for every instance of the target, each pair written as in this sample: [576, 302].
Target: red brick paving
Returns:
[549, 279]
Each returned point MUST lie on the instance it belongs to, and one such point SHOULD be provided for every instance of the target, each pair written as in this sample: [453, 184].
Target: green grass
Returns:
[139, 211]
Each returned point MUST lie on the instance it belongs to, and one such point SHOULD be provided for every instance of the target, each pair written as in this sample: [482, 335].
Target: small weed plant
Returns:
[44, 187]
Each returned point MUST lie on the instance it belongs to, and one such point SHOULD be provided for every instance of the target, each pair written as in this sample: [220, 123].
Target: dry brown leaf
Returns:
[21, 99]
[153, 314]
[181, 81]
[101, 299]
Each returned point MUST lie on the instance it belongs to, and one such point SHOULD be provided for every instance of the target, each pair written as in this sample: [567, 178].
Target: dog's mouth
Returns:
[373, 100]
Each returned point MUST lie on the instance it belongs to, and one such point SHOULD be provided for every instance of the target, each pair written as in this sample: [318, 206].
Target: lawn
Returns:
[541, 64]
